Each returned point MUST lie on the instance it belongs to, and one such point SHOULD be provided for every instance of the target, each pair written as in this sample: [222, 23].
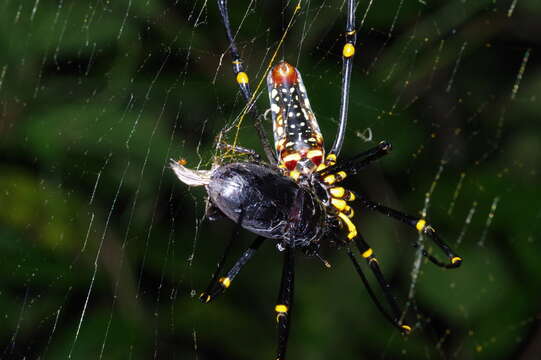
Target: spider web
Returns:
[104, 252]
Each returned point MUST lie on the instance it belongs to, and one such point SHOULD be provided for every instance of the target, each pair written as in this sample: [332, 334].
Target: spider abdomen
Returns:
[297, 137]
[267, 203]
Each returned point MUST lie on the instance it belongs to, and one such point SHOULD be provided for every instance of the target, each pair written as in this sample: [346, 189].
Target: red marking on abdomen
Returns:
[284, 74]
[291, 165]
[316, 160]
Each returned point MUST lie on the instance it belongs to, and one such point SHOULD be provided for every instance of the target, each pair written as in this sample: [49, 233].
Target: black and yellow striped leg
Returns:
[285, 302]
[368, 254]
[218, 285]
[347, 64]
[421, 226]
[358, 162]
[243, 81]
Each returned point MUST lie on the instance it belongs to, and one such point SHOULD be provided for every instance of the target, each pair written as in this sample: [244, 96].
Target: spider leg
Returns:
[335, 173]
[240, 150]
[218, 285]
[347, 64]
[204, 297]
[358, 162]
[243, 82]
[366, 252]
[423, 227]
[285, 301]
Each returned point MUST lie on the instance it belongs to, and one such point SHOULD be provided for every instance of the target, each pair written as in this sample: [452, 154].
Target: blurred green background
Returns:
[103, 251]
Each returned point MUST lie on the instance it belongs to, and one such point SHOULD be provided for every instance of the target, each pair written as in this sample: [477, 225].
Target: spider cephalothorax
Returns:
[296, 199]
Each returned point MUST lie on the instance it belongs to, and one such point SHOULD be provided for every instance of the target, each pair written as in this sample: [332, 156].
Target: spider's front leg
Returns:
[243, 81]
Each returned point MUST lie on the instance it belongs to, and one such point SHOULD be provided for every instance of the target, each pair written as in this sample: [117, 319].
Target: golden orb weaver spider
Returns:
[295, 198]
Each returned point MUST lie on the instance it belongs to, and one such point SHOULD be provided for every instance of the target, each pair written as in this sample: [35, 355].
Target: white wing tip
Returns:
[191, 177]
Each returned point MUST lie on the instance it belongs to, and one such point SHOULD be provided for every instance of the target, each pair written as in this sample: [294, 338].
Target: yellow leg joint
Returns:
[329, 179]
[281, 310]
[225, 281]
[339, 204]
[349, 212]
[204, 297]
[420, 225]
[337, 192]
[367, 253]
[352, 230]
[348, 50]
[342, 175]
[242, 78]
[406, 329]
[331, 158]
[332, 178]
[294, 174]
[321, 167]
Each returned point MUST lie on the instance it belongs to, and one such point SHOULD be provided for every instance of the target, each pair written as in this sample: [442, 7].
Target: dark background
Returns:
[103, 251]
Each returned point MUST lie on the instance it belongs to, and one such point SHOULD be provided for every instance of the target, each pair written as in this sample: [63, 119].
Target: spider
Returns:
[295, 198]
